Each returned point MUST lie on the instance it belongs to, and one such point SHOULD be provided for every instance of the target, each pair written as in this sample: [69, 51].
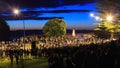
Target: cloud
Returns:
[7, 6]
[43, 3]
[35, 15]
[29, 18]
[52, 3]
[56, 11]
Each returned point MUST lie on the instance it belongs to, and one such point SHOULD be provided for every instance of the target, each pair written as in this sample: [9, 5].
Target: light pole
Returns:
[16, 12]
[24, 33]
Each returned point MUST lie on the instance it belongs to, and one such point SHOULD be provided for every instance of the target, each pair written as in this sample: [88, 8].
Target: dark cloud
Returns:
[29, 18]
[52, 3]
[34, 15]
[43, 3]
[56, 11]
[6, 7]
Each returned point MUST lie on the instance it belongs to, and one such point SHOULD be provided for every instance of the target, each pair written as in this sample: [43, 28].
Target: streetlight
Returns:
[97, 18]
[92, 15]
[109, 18]
[16, 12]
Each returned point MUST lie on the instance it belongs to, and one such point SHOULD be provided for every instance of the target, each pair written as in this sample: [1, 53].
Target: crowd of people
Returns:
[14, 54]
[69, 52]
[66, 40]
[86, 56]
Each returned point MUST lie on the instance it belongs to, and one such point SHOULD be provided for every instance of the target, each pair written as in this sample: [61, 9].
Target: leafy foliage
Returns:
[107, 29]
[4, 30]
[106, 8]
[55, 27]
[102, 32]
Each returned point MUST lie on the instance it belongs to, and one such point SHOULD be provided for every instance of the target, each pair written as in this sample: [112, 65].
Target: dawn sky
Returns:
[76, 15]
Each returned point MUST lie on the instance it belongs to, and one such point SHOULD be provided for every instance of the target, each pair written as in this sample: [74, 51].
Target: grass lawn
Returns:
[31, 63]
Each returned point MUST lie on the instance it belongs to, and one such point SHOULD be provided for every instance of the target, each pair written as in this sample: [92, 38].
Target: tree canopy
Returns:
[102, 32]
[55, 27]
[4, 30]
[109, 8]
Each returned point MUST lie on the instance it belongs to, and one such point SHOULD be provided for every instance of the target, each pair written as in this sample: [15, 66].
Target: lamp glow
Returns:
[97, 18]
[16, 11]
[109, 18]
[92, 15]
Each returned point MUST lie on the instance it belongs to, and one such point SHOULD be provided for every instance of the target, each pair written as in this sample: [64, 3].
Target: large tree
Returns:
[55, 27]
[110, 8]
[4, 30]
[102, 32]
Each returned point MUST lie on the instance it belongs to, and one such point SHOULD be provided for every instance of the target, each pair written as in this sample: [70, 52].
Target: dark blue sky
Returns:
[75, 14]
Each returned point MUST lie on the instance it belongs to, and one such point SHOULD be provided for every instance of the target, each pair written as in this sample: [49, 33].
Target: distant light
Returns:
[97, 18]
[92, 15]
[73, 32]
[107, 40]
[16, 11]
[114, 39]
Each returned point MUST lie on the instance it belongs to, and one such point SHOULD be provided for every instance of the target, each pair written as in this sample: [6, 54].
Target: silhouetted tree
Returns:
[110, 8]
[55, 27]
[102, 32]
[4, 30]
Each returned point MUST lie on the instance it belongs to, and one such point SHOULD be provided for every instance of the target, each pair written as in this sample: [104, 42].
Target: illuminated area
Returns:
[92, 15]
[97, 18]
[73, 32]
[16, 11]
[109, 18]
[59, 34]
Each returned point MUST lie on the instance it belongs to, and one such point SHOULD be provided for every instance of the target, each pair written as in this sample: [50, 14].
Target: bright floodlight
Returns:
[97, 18]
[92, 15]
[16, 11]
[109, 18]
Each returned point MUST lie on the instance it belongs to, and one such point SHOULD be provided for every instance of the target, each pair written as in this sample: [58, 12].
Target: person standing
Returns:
[11, 55]
[16, 52]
